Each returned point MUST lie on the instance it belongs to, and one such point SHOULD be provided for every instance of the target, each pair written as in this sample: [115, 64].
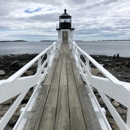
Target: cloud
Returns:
[33, 10]
[98, 19]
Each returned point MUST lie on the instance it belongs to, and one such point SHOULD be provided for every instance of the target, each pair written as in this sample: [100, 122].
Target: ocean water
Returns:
[106, 47]
[93, 47]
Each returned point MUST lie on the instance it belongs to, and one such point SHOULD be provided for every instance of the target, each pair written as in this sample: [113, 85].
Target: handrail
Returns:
[107, 86]
[19, 86]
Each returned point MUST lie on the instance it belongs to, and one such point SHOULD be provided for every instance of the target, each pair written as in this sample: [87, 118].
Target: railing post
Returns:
[39, 63]
[54, 47]
[128, 119]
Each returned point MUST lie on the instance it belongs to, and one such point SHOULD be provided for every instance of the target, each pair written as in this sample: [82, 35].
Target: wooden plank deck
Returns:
[63, 103]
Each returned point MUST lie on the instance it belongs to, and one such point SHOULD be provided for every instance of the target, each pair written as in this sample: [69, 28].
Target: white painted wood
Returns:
[128, 118]
[17, 85]
[108, 85]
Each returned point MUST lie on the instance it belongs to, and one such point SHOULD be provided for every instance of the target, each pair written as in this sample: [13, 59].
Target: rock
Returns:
[17, 112]
[94, 90]
[13, 120]
[115, 127]
[97, 95]
[6, 77]
[94, 71]
[121, 111]
[8, 102]
[29, 73]
[111, 120]
[128, 64]
[127, 77]
[115, 104]
[101, 102]
[4, 107]
[29, 93]
[108, 113]
[117, 64]
[113, 123]
[2, 113]
[14, 64]
[8, 127]
[25, 100]
[34, 66]
[2, 73]
[124, 117]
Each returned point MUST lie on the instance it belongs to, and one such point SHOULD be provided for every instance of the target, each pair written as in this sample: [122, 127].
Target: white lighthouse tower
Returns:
[65, 31]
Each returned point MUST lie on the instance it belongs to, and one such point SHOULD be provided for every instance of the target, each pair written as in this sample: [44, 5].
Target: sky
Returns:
[35, 20]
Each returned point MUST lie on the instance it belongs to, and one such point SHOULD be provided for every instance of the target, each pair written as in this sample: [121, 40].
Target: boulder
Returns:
[113, 123]
[117, 64]
[13, 120]
[17, 112]
[94, 90]
[97, 95]
[121, 111]
[29, 73]
[2, 73]
[14, 64]
[101, 102]
[94, 71]
[2, 113]
[29, 93]
[8, 127]
[108, 113]
[8, 102]
[25, 100]
[115, 104]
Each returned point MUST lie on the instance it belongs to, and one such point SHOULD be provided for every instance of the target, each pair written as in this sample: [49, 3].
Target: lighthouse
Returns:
[65, 30]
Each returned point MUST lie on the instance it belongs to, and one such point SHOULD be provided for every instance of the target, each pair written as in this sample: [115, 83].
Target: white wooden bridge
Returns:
[63, 97]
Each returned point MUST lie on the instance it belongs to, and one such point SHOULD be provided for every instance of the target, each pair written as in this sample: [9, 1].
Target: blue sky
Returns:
[31, 11]
[36, 20]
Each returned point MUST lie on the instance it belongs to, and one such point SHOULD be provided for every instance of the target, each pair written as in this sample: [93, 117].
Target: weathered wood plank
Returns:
[73, 95]
[63, 79]
[48, 118]
[36, 113]
[50, 74]
[70, 75]
[64, 103]
[52, 99]
[56, 77]
[76, 116]
[88, 111]
[62, 117]
[77, 120]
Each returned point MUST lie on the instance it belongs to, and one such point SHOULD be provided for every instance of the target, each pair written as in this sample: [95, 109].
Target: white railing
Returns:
[107, 86]
[19, 86]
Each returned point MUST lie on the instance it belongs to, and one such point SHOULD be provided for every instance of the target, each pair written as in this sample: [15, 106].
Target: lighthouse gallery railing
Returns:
[107, 86]
[17, 85]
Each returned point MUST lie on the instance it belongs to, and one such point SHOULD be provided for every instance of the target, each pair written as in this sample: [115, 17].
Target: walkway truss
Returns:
[107, 86]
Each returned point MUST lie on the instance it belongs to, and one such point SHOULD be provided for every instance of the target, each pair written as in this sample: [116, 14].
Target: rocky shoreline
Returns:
[118, 66]
[9, 64]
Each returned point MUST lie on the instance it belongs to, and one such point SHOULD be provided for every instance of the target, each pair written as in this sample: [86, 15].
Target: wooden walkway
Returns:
[63, 103]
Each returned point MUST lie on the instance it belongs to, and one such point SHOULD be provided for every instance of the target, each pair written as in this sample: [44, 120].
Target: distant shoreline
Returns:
[56, 40]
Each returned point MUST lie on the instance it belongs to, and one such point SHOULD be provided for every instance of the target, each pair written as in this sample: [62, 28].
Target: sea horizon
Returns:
[108, 48]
